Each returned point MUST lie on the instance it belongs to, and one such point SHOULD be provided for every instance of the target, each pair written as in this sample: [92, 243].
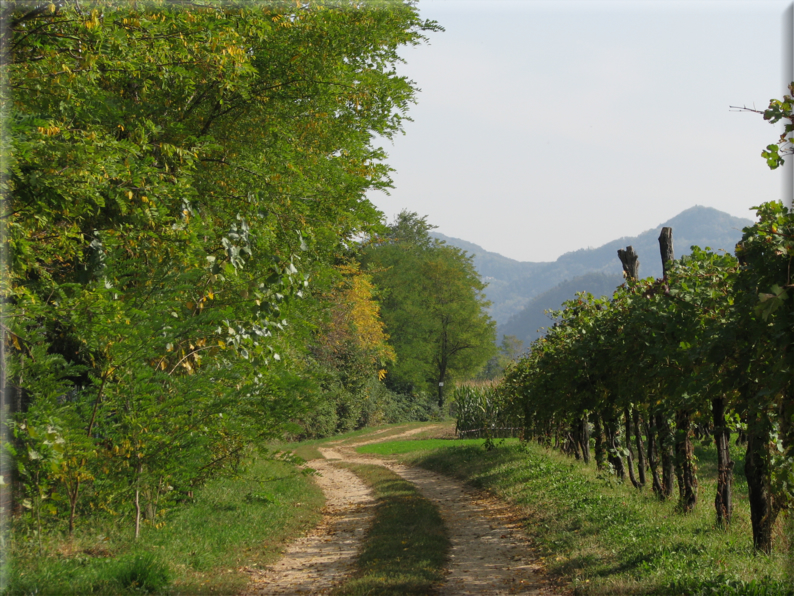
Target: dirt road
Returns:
[489, 556]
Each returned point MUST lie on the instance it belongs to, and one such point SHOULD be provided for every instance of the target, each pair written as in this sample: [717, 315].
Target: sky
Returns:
[546, 127]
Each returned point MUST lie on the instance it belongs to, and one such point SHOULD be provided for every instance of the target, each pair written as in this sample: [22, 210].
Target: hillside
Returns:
[527, 324]
[512, 284]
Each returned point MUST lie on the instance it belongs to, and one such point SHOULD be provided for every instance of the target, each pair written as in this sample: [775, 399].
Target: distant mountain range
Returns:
[520, 291]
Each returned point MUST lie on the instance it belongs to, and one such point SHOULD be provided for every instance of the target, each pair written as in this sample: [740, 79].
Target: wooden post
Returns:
[630, 261]
[723, 502]
[666, 248]
[685, 468]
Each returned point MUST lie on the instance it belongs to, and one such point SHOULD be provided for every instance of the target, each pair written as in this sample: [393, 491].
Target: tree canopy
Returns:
[432, 304]
[181, 172]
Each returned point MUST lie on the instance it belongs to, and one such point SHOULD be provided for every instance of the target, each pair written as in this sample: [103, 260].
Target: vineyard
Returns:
[703, 353]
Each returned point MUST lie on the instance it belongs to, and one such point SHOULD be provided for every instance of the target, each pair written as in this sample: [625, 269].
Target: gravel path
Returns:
[490, 555]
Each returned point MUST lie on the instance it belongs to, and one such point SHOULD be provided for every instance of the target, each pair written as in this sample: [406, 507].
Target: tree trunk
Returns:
[574, 444]
[630, 261]
[138, 503]
[583, 436]
[600, 448]
[7, 470]
[686, 471]
[641, 465]
[653, 461]
[666, 249]
[627, 443]
[613, 446]
[764, 508]
[723, 502]
[73, 496]
[666, 452]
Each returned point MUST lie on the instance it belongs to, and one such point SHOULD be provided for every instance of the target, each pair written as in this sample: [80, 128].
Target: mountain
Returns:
[529, 323]
[513, 284]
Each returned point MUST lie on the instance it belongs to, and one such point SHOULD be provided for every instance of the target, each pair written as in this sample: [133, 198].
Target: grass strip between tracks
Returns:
[407, 546]
[607, 538]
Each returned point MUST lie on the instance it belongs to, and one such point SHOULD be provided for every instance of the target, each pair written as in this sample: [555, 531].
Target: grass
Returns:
[398, 447]
[607, 538]
[406, 548]
[231, 523]
[308, 450]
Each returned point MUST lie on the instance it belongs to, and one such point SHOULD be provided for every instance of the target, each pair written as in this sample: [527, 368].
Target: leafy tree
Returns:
[179, 173]
[352, 350]
[509, 351]
[432, 305]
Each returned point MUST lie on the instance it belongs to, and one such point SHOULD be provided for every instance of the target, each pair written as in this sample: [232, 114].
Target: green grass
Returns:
[397, 447]
[308, 450]
[232, 522]
[406, 548]
[607, 538]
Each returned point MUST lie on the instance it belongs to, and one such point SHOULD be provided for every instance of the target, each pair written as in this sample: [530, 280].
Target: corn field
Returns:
[483, 412]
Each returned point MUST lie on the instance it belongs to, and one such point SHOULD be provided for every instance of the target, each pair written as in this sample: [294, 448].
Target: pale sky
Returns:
[545, 127]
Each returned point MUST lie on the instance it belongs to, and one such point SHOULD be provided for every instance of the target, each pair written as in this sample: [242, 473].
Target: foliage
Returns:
[433, 307]
[779, 109]
[483, 411]
[179, 174]
[348, 354]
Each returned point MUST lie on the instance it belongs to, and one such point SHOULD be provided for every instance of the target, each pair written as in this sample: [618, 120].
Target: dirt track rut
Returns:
[490, 555]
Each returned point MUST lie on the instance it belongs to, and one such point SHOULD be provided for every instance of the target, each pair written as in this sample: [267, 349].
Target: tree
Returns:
[509, 351]
[351, 352]
[179, 171]
[433, 306]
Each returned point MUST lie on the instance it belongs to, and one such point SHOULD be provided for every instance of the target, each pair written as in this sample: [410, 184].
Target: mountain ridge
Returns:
[513, 284]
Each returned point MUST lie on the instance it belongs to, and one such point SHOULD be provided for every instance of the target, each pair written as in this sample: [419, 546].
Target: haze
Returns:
[543, 128]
